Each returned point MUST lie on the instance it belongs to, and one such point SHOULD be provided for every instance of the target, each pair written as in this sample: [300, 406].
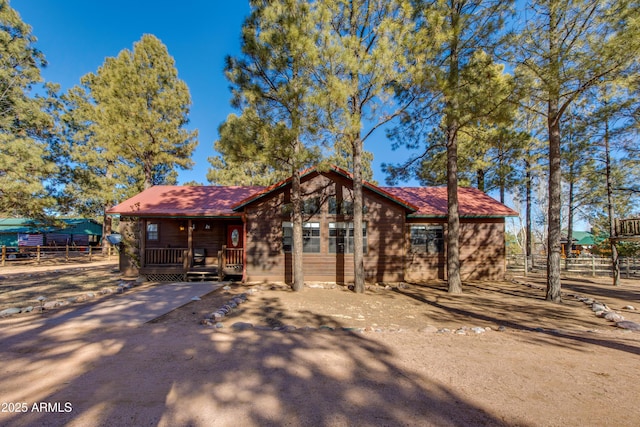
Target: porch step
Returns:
[202, 276]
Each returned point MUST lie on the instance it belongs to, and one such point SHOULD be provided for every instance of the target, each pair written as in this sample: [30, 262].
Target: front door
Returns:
[234, 237]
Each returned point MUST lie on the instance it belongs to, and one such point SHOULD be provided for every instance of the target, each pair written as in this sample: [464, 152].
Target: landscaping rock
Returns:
[50, 305]
[613, 317]
[242, 326]
[629, 307]
[627, 324]
[9, 311]
[478, 330]
[429, 330]
[596, 306]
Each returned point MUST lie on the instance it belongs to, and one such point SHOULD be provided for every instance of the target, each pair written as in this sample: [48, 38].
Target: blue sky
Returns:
[77, 35]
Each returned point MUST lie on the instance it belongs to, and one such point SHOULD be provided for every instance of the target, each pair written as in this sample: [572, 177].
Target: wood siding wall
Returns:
[384, 259]
[482, 252]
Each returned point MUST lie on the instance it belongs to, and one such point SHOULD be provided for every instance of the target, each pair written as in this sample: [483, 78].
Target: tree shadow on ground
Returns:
[496, 313]
[175, 375]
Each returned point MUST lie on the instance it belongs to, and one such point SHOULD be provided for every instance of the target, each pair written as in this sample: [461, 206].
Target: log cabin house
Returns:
[210, 232]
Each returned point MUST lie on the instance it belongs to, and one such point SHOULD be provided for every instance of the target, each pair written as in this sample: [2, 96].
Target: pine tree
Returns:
[271, 84]
[564, 49]
[125, 126]
[458, 86]
[362, 62]
[25, 159]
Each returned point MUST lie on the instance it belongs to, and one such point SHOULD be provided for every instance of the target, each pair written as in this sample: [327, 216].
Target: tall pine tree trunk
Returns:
[453, 219]
[297, 253]
[615, 261]
[554, 227]
[480, 178]
[107, 223]
[569, 248]
[107, 227]
[358, 237]
[529, 233]
[555, 172]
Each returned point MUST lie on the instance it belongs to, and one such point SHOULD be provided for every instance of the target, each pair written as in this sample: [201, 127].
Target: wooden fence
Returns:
[590, 266]
[19, 255]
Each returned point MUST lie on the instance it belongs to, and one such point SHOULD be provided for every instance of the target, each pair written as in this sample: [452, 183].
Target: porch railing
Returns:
[165, 256]
[232, 258]
[228, 258]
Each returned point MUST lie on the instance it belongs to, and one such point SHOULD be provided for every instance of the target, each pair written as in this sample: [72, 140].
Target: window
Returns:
[427, 239]
[310, 237]
[343, 208]
[341, 237]
[309, 207]
[152, 231]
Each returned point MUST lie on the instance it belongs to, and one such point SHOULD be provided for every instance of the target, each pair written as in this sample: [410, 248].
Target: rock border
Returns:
[600, 309]
[45, 304]
[215, 318]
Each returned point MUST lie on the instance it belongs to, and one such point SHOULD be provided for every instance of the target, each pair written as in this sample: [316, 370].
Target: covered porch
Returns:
[191, 249]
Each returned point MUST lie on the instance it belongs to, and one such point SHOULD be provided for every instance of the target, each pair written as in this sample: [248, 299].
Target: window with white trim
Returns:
[310, 237]
[152, 231]
[341, 237]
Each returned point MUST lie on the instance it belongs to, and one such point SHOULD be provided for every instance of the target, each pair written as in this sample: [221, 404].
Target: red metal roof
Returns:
[185, 201]
[432, 201]
[194, 201]
[332, 169]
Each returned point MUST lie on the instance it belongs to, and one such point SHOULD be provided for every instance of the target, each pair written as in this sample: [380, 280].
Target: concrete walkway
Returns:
[136, 307]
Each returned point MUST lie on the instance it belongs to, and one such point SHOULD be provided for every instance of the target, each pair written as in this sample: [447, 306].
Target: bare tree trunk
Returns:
[570, 220]
[554, 227]
[555, 172]
[615, 261]
[106, 230]
[296, 201]
[528, 219]
[453, 219]
[358, 237]
[107, 222]
[480, 177]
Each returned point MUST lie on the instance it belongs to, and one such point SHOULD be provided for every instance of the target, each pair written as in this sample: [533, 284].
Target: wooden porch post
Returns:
[244, 247]
[189, 243]
[142, 237]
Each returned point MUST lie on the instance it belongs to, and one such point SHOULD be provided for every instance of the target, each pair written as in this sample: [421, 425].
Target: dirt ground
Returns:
[408, 355]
